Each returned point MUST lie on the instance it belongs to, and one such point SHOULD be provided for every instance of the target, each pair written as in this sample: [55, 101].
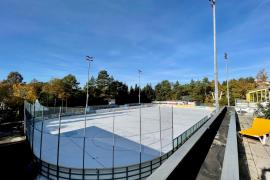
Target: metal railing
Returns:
[184, 162]
[137, 171]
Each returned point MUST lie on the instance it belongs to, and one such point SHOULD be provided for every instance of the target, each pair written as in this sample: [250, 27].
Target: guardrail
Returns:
[230, 167]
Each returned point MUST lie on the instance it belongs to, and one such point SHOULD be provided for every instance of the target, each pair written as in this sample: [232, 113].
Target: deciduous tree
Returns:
[14, 78]
[163, 91]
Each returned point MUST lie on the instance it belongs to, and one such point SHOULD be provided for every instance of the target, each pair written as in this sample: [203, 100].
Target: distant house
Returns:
[262, 83]
[260, 94]
[111, 101]
[2, 105]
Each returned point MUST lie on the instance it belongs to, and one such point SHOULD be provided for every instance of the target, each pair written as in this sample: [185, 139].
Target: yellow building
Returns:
[258, 95]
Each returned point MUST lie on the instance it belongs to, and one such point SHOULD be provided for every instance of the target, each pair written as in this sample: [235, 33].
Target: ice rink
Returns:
[126, 137]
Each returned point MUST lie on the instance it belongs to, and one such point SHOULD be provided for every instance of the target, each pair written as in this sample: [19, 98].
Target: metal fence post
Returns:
[30, 124]
[151, 166]
[58, 142]
[24, 118]
[172, 129]
[83, 154]
[66, 106]
[160, 138]
[84, 138]
[113, 144]
[181, 139]
[140, 115]
[33, 128]
[41, 134]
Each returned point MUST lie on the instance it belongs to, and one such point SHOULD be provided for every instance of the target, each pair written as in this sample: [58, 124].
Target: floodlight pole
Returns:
[139, 71]
[227, 75]
[213, 4]
[89, 59]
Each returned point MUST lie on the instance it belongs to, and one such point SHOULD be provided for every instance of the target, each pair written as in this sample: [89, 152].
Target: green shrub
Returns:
[264, 110]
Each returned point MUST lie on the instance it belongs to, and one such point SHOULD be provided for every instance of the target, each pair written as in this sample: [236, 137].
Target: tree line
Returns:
[67, 91]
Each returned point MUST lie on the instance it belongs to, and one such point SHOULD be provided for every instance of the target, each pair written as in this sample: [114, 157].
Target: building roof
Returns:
[260, 88]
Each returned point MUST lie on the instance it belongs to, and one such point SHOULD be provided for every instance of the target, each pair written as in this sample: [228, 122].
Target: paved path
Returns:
[256, 155]
[11, 139]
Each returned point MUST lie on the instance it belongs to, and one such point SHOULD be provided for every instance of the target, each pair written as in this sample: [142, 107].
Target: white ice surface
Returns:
[99, 136]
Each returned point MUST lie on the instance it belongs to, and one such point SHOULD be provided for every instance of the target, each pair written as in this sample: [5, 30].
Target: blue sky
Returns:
[166, 39]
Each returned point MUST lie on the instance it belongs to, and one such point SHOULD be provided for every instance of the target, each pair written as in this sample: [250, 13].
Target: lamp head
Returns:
[89, 58]
[212, 2]
[225, 56]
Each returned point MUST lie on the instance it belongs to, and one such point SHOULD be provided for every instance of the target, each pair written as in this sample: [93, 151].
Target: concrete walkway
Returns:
[254, 155]
[11, 139]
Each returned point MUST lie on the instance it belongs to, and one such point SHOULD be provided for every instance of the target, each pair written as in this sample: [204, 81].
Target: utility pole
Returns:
[227, 75]
[139, 71]
[213, 4]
